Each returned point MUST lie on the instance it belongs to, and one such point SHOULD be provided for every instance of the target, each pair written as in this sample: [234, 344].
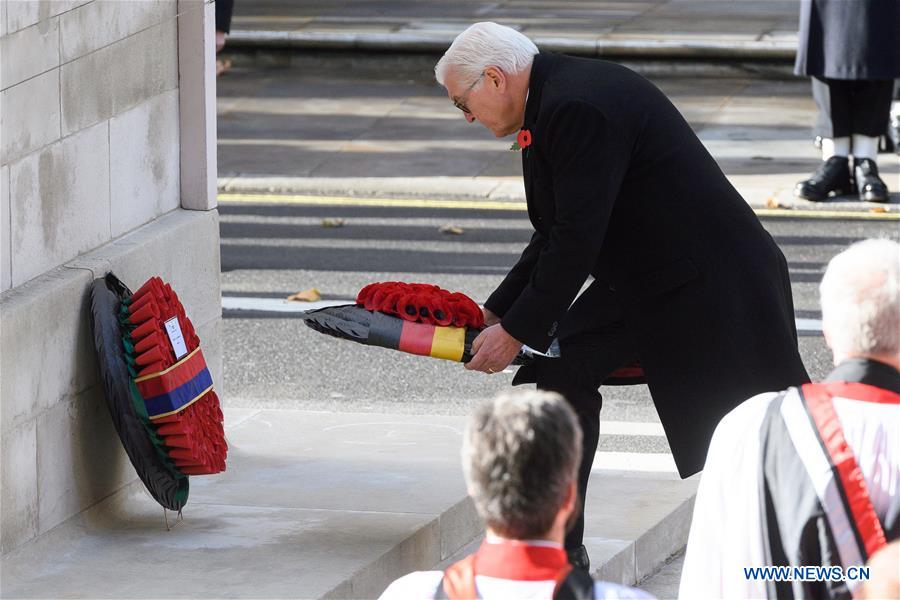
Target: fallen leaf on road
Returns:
[222, 66]
[451, 229]
[879, 209]
[773, 203]
[329, 222]
[310, 295]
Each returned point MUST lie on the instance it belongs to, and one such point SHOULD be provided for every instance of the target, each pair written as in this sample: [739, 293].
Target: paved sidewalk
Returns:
[322, 505]
[730, 29]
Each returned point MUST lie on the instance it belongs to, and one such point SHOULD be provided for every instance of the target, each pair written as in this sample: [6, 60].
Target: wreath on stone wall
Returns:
[157, 386]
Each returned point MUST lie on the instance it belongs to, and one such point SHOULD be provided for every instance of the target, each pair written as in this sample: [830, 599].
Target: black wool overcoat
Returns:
[620, 188]
[849, 39]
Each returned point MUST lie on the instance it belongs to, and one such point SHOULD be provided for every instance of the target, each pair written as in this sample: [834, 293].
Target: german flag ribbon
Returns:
[422, 339]
[182, 384]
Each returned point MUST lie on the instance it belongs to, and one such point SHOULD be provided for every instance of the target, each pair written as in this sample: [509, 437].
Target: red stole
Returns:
[507, 559]
[820, 404]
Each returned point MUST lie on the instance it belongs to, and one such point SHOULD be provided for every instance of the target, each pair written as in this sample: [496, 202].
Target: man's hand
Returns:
[489, 317]
[493, 350]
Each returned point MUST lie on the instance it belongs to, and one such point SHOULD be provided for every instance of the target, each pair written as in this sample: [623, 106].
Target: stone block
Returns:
[461, 553]
[612, 560]
[81, 36]
[25, 13]
[46, 330]
[29, 52]
[459, 525]
[197, 103]
[19, 491]
[668, 537]
[111, 80]
[182, 247]
[59, 201]
[35, 104]
[63, 345]
[144, 155]
[80, 460]
[5, 249]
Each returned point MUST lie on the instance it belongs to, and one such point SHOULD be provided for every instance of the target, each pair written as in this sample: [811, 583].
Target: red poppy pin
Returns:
[523, 140]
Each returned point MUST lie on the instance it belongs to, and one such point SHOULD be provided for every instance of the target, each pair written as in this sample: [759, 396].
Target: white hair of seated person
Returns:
[860, 297]
[485, 45]
[520, 456]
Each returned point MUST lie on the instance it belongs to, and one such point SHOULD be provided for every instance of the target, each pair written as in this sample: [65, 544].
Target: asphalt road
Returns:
[272, 251]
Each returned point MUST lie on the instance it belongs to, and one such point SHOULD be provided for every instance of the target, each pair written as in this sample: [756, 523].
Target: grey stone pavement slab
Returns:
[324, 505]
[348, 124]
[761, 29]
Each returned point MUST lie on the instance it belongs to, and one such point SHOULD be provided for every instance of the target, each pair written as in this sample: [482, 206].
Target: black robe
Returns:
[620, 188]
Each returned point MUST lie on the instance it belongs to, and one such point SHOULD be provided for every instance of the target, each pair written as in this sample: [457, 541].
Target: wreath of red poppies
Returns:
[194, 436]
[422, 303]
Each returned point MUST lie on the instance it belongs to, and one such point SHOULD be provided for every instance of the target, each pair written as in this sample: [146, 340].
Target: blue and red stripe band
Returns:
[177, 387]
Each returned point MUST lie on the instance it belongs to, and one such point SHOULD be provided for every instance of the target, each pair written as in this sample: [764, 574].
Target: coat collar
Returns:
[870, 372]
[541, 67]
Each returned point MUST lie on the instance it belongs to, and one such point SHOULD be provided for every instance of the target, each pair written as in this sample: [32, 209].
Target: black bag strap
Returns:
[578, 585]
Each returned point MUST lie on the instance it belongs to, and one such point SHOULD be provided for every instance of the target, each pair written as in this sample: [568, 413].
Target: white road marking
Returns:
[283, 306]
[809, 325]
[634, 461]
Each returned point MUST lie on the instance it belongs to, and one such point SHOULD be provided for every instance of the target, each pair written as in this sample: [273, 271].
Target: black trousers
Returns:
[593, 343]
[847, 107]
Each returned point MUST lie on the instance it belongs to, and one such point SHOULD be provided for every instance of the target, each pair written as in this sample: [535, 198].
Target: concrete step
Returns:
[325, 505]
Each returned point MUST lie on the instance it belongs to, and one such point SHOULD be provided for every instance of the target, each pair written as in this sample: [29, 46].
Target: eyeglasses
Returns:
[460, 102]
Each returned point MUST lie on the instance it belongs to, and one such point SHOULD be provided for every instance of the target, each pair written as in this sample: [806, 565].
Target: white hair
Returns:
[485, 45]
[860, 296]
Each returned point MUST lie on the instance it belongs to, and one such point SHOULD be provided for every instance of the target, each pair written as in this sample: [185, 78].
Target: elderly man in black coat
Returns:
[621, 193]
[623, 196]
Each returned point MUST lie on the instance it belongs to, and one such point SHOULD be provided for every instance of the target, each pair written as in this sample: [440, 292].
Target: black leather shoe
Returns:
[870, 186]
[579, 558]
[831, 178]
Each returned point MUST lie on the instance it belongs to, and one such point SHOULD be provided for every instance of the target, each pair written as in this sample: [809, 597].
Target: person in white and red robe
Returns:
[811, 476]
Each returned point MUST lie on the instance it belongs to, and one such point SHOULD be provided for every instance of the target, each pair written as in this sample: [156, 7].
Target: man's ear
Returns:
[571, 496]
[496, 78]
